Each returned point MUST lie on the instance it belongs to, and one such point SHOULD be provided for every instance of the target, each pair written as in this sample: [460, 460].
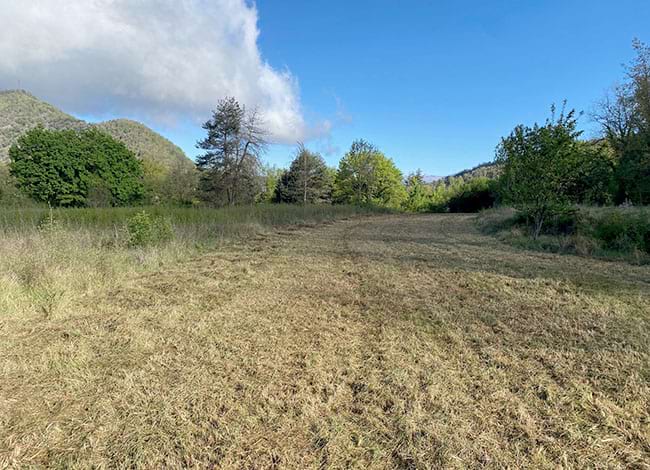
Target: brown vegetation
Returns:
[383, 342]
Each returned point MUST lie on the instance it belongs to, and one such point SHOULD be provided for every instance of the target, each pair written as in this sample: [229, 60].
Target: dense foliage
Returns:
[307, 181]
[367, 176]
[68, 168]
[624, 116]
[537, 164]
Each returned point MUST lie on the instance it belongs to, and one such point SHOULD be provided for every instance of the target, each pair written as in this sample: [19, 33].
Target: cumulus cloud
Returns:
[161, 59]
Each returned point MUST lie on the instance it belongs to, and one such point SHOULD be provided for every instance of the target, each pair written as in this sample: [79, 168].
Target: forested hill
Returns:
[489, 170]
[145, 143]
[20, 111]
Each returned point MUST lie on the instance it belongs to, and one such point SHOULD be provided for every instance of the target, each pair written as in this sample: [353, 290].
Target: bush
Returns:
[473, 196]
[144, 229]
[620, 230]
[467, 197]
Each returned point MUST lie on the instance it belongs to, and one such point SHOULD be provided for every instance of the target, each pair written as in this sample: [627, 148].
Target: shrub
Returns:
[467, 197]
[473, 196]
[144, 229]
[620, 230]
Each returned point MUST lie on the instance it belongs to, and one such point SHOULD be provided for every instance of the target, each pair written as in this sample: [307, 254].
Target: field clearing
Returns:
[393, 341]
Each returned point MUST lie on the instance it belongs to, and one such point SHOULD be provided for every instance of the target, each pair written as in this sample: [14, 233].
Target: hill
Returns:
[20, 111]
[485, 170]
[145, 143]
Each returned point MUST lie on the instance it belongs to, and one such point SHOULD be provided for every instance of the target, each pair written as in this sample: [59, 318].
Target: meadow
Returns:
[51, 258]
[381, 341]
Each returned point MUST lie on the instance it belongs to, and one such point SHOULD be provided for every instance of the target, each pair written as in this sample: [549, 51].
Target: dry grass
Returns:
[385, 342]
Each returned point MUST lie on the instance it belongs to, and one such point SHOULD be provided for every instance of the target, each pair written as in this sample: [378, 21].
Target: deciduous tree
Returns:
[367, 176]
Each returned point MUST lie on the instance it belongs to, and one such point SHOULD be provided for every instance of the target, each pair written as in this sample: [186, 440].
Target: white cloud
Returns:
[160, 59]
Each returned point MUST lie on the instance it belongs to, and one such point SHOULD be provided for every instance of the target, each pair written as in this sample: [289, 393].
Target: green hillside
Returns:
[145, 143]
[20, 111]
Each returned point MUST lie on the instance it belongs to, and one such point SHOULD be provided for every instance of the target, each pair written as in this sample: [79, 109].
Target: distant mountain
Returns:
[429, 179]
[20, 111]
[488, 170]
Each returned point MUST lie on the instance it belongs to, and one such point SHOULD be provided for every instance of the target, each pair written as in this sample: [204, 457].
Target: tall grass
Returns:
[187, 222]
[45, 267]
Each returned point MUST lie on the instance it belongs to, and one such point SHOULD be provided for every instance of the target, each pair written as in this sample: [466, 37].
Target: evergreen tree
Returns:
[230, 166]
[307, 181]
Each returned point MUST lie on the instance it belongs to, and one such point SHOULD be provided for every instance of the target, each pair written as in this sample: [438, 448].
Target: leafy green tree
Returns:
[61, 167]
[624, 116]
[230, 166]
[10, 195]
[536, 167]
[270, 177]
[115, 165]
[307, 181]
[367, 176]
[633, 170]
[590, 178]
[418, 198]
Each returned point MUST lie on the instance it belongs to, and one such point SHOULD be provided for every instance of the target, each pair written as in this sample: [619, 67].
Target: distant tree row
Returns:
[232, 173]
[541, 169]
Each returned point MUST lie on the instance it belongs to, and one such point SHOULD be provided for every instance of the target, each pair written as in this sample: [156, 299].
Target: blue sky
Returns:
[434, 84]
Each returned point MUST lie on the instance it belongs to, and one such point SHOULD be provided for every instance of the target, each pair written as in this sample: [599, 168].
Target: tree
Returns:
[537, 166]
[231, 164]
[618, 117]
[307, 181]
[10, 195]
[418, 198]
[624, 117]
[62, 168]
[590, 178]
[271, 176]
[181, 184]
[367, 176]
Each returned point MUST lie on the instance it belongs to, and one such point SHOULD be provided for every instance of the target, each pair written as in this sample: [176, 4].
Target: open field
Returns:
[394, 341]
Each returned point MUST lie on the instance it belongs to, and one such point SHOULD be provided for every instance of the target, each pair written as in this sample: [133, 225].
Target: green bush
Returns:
[144, 229]
[474, 196]
[466, 197]
[620, 230]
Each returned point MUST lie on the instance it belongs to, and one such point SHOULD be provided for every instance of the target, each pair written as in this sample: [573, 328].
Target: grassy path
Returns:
[384, 342]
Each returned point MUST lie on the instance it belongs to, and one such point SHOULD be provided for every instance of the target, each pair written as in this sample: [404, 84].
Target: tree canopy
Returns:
[536, 164]
[307, 181]
[62, 168]
[367, 176]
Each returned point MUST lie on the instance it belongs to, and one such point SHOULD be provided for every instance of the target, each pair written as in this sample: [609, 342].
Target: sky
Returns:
[434, 84]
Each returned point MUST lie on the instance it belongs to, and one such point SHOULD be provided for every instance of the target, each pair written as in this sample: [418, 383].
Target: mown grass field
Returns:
[393, 341]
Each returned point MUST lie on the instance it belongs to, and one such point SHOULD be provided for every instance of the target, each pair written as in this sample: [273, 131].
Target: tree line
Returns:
[541, 169]
[547, 168]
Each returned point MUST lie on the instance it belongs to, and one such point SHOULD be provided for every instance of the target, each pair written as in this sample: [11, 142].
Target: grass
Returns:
[44, 269]
[398, 341]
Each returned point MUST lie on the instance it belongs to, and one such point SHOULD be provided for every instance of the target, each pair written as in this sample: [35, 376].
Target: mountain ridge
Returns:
[21, 111]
